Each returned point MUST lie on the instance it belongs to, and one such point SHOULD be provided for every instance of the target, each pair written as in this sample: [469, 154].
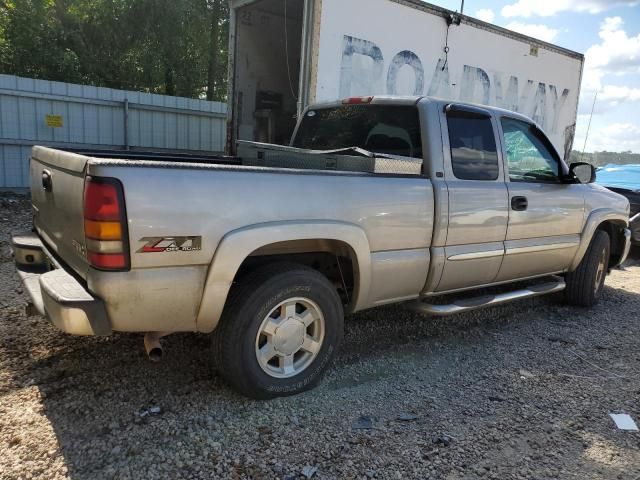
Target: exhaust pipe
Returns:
[152, 345]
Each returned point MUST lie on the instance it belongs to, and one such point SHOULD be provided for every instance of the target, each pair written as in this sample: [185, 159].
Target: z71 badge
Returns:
[170, 244]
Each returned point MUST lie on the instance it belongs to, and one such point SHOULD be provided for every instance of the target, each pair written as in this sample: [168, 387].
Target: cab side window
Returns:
[528, 159]
[473, 146]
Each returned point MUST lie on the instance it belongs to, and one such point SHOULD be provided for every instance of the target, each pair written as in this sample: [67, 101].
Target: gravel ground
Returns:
[522, 391]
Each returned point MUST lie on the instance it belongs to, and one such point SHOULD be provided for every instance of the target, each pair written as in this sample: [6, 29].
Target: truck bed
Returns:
[254, 154]
[159, 156]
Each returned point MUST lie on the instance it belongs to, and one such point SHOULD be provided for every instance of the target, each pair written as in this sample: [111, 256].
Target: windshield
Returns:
[393, 130]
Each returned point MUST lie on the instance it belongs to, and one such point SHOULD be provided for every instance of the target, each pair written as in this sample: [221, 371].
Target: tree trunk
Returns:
[169, 81]
[214, 49]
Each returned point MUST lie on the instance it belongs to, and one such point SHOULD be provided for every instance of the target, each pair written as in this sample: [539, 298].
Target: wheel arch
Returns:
[281, 240]
[615, 230]
[609, 221]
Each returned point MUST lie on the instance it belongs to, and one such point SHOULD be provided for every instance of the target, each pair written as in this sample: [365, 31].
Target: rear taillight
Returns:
[357, 100]
[105, 224]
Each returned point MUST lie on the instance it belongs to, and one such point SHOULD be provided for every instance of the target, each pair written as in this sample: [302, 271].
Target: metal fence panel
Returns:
[64, 115]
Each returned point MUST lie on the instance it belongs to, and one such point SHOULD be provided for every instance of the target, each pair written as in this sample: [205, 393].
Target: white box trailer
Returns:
[287, 54]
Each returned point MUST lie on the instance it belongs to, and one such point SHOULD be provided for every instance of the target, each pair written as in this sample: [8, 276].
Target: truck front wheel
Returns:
[281, 327]
[585, 284]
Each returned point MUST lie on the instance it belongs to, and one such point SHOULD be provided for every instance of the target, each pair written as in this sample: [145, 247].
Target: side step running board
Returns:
[475, 303]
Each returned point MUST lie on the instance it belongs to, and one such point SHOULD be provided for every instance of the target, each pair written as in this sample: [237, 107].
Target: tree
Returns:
[218, 49]
[28, 29]
[175, 47]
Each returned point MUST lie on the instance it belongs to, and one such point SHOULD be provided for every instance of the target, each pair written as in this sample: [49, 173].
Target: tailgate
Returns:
[57, 191]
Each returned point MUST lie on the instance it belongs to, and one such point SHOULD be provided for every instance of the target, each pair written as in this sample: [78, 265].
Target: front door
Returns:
[545, 215]
[478, 198]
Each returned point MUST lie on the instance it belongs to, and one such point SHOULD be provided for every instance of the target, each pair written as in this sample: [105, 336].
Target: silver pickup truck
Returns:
[376, 201]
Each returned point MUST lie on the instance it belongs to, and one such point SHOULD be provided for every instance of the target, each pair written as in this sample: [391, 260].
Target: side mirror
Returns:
[583, 172]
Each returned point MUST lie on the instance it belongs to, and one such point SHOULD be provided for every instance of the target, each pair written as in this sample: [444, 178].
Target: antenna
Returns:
[589, 126]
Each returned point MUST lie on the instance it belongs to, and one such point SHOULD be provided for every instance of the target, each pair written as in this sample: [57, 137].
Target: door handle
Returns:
[519, 204]
[47, 183]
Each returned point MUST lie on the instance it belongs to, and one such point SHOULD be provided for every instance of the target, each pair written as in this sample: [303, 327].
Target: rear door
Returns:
[546, 216]
[478, 212]
[57, 191]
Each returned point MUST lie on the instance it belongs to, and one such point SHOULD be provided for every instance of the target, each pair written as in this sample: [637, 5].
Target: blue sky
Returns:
[608, 33]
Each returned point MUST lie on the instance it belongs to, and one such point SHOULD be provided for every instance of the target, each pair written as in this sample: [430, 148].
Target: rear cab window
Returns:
[386, 129]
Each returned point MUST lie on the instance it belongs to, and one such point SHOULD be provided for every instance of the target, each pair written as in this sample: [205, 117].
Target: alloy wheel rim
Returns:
[290, 338]
[600, 271]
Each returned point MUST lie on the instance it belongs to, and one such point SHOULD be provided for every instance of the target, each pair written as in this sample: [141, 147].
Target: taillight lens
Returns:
[105, 224]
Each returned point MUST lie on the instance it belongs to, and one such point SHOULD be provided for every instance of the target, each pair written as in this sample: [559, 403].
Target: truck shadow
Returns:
[110, 408]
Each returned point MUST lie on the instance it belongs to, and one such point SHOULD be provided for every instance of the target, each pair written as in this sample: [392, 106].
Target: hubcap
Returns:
[601, 271]
[290, 338]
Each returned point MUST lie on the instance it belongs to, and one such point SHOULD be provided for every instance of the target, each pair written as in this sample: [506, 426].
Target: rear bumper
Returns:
[55, 293]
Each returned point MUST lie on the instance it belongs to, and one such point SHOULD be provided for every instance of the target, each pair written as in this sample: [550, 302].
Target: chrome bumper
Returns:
[634, 225]
[627, 246]
[55, 293]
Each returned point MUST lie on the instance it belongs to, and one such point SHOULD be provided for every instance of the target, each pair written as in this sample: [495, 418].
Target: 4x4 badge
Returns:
[170, 244]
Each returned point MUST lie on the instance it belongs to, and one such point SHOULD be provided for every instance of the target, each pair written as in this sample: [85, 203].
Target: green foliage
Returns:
[175, 47]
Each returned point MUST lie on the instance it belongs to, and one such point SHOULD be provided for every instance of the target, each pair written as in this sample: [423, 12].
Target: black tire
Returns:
[585, 284]
[250, 303]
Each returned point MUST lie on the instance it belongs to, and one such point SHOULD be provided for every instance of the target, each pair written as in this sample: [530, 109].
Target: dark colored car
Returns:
[625, 180]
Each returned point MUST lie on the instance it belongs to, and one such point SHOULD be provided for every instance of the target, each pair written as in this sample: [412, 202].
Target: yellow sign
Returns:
[54, 121]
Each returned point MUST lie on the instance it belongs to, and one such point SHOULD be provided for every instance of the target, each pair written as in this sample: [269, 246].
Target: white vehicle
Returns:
[288, 54]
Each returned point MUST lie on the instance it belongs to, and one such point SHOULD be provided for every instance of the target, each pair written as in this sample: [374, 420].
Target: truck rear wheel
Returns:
[281, 327]
[585, 284]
